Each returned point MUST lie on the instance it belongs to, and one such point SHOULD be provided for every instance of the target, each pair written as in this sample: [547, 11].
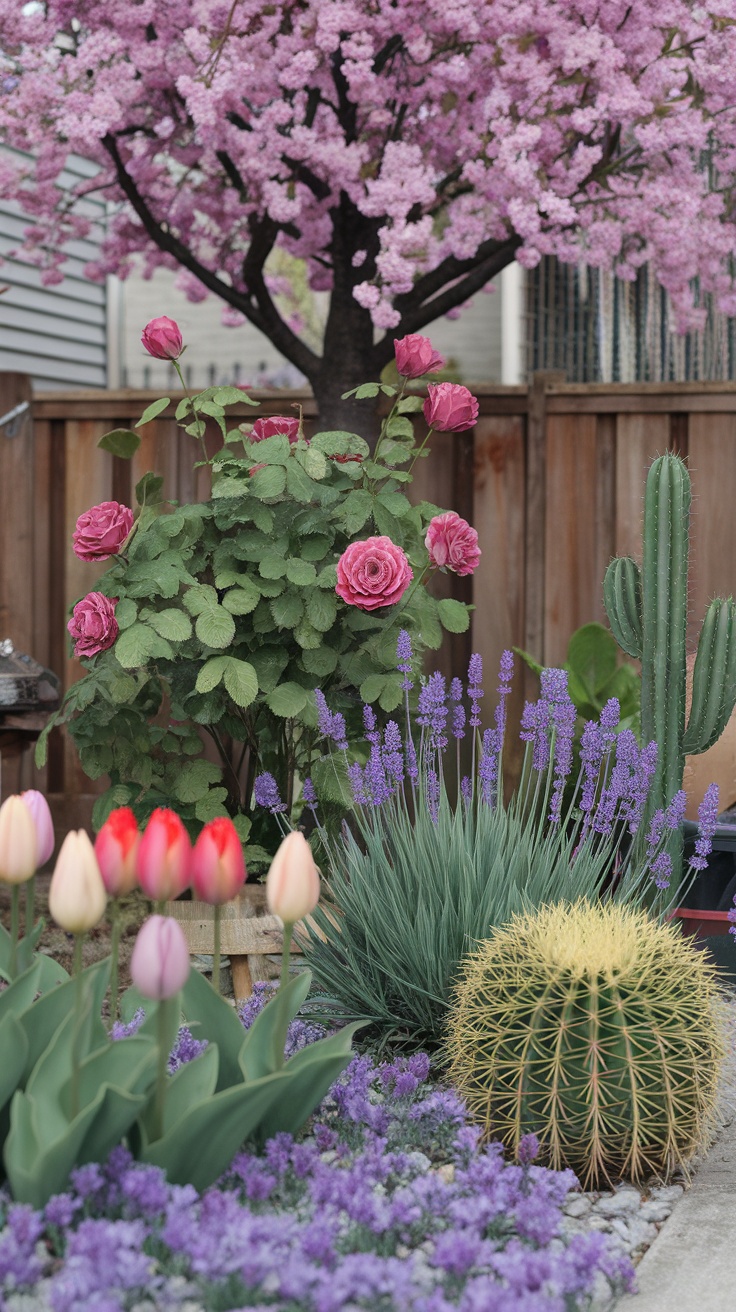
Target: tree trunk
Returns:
[350, 416]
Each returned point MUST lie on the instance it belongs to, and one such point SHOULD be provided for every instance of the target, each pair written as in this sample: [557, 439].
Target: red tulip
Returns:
[159, 966]
[164, 856]
[218, 868]
[116, 849]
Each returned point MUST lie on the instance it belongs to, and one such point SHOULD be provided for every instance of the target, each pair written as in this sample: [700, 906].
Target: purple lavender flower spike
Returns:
[309, 795]
[374, 778]
[369, 723]
[563, 719]
[661, 870]
[488, 767]
[475, 688]
[535, 723]
[553, 685]
[458, 722]
[456, 690]
[732, 918]
[591, 756]
[656, 830]
[610, 715]
[410, 756]
[619, 787]
[393, 752]
[707, 822]
[404, 659]
[266, 793]
[432, 709]
[324, 714]
[640, 786]
[355, 776]
[432, 785]
[339, 732]
[466, 789]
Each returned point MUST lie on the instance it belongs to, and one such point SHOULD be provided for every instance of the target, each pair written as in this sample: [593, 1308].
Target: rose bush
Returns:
[101, 531]
[93, 626]
[452, 544]
[223, 617]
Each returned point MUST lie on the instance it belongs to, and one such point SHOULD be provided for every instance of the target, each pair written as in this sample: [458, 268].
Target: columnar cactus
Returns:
[596, 1029]
[647, 611]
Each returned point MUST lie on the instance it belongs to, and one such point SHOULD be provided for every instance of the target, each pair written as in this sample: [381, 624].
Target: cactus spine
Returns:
[647, 611]
[595, 1028]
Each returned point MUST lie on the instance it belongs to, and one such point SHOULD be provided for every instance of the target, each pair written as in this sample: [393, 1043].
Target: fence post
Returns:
[16, 510]
[534, 512]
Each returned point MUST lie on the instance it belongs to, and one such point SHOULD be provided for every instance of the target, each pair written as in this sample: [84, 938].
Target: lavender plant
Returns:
[432, 858]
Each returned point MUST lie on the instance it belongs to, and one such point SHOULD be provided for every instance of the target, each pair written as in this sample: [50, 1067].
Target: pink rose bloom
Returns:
[373, 573]
[450, 408]
[416, 356]
[162, 339]
[452, 544]
[273, 425]
[93, 625]
[101, 531]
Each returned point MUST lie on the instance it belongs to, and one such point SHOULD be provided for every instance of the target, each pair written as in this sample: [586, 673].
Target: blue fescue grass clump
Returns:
[432, 857]
[388, 1205]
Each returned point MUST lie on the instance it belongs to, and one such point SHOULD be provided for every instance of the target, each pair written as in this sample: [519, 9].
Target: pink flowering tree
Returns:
[406, 150]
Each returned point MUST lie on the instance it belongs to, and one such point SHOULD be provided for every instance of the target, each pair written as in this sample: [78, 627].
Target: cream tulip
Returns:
[292, 883]
[77, 896]
[18, 841]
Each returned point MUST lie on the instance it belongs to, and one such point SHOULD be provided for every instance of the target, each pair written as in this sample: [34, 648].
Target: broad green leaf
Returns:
[151, 411]
[126, 612]
[122, 688]
[454, 616]
[269, 664]
[330, 779]
[241, 681]
[339, 443]
[299, 485]
[287, 610]
[215, 627]
[172, 624]
[288, 699]
[327, 577]
[132, 648]
[316, 546]
[211, 805]
[193, 1083]
[313, 461]
[392, 694]
[592, 653]
[321, 609]
[410, 405]
[365, 390]
[199, 598]
[194, 778]
[272, 566]
[306, 635]
[232, 396]
[211, 673]
[395, 502]
[301, 572]
[320, 661]
[120, 442]
[242, 600]
[388, 525]
[400, 426]
[268, 482]
[148, 489]
[372, 687]
[356, 509]
[262, 1049]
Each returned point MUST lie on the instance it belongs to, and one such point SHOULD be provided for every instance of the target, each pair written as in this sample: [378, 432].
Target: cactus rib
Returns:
[622, 599]
[714, 677]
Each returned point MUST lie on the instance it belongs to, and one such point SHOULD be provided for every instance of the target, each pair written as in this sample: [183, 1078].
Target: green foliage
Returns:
[647, 610]
[228, 618]
[594, 676]
[595, 1029]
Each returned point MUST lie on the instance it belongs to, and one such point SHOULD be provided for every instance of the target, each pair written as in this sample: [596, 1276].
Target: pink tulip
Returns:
[292, 883]
[18, 841]
[162, 339]
[218, 868]
[159, 966]
[164, 856]
[39, 809]
[416, 356]
[77, 897]
[116, 849]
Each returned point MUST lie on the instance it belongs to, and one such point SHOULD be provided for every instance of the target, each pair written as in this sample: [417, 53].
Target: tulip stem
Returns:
[14, 927]
[288, 935]
[30, 903]
[115, 927]
[162, 1073]
[77, 973]
[216, 962]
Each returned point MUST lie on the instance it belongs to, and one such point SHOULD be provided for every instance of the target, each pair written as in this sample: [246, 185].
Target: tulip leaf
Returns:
[312, 1072]
[14, 1048]
[204, 1141]
[194, 1082]
[20, 994]
[263, 1049]
[43, 1019]
[218, 1022]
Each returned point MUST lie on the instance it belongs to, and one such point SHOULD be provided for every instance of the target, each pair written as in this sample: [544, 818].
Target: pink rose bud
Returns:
[373, 573]
[116, 849]
[162, 339]
[452, 544]
[292, 883]
[77, 897]
[159, 966]
[163, 863]
[450, 408]
[101, 531]
[275, 424]
[416, 356]
[18, 841]
[93, 625]
[39, 809]
[218, 867]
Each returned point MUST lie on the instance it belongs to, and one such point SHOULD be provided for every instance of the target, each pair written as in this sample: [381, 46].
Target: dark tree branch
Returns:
[263, 314]
[302, 173]
[449, 271]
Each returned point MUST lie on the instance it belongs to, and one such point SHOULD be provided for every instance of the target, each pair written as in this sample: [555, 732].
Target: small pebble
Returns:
[620, 1203]
[579, 1205]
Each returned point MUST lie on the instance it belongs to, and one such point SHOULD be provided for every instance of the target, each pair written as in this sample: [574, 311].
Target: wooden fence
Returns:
[552, 478]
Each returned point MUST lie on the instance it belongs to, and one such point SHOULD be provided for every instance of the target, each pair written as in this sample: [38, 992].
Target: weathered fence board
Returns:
[552, 476]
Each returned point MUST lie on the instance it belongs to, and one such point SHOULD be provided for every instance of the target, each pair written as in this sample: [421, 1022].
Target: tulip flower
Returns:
[292, 883]
[39, 809]
[164, 856]
[116, 849]
[18, 860]
[77, 896]
[218, 872]
[159, 966]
